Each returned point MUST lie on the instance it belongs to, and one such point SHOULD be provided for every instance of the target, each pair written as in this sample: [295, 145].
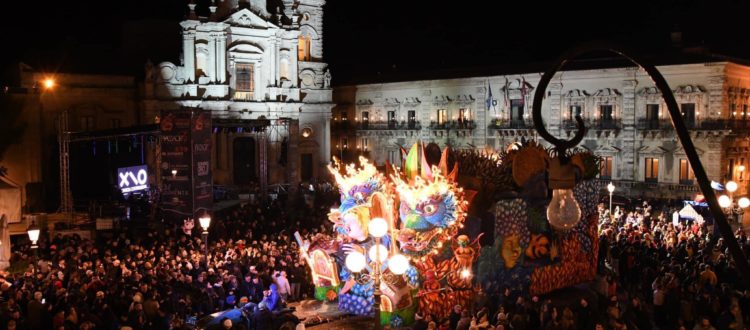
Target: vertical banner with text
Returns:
[201, 146]
[176, 156]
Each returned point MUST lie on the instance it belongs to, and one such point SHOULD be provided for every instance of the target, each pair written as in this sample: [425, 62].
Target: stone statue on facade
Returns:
[327, 79]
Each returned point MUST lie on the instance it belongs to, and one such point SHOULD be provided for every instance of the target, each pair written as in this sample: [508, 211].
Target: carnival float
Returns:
[535, 206]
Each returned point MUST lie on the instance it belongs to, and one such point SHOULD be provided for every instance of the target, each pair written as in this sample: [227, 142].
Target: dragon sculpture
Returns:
[432, 209]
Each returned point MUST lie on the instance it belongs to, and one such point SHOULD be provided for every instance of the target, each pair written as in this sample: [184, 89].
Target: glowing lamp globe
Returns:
[731, 186]
[563, 211]
[33, 232]
[398, 264]
[724, 201]
[355, 262]
[373, 253]
[744, 202]
[205, 222]
[465, 273]
[378, 227]
[49, 83]
[611, 188]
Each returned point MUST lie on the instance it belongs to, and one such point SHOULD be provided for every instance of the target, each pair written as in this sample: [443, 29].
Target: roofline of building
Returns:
[694, 57]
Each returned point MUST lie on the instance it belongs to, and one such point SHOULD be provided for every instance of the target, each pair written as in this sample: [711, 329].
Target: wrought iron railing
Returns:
[389, 125]
[453, 124]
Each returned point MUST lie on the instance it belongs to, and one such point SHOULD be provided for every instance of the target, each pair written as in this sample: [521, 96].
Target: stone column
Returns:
[221, 61]
[212, 60]
[276, 61]
[188, 49]
[627, 165]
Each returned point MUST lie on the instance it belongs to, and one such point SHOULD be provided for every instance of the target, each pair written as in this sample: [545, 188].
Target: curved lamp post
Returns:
[679, 125]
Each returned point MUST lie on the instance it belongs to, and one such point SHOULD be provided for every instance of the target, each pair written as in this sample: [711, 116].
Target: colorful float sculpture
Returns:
[426, 207]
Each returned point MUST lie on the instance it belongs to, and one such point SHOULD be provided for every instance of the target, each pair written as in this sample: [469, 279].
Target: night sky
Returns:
[376, 40]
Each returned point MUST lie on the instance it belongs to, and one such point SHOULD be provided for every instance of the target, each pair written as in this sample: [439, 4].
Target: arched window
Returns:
[303, 48]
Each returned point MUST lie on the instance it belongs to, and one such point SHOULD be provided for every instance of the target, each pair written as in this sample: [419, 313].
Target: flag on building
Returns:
[489, 95]
[505, 92]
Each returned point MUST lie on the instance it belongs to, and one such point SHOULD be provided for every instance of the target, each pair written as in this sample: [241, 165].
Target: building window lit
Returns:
[688, 114]
[730, 170]
[606, 114]
[652, 170]
[392, 122]
[365, 119]
[344, 116]
[686, 172]
[732, 110]
[605, 170]
[244, 76]
[365, 144]
[516, 110]
[115, 123]
[412, 118]
[344, 142]
[574, 111]
[744, 112]
[303, 48]
[441, 116]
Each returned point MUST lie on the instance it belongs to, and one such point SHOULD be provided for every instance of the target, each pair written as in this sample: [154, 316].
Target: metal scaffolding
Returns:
[63, 138]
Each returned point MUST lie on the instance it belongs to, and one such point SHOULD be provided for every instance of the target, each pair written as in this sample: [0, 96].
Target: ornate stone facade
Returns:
[246, 64]
[627, 120]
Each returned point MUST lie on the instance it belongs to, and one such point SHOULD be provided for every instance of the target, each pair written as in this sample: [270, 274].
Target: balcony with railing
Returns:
[341, 125]
[511, 124]
[389, 125]
[718, 124]
[453, 125]
[598, 124]
[653, 124]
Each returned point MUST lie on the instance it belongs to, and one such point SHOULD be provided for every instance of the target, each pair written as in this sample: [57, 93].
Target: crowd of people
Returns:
[655, 272]
[164, 279]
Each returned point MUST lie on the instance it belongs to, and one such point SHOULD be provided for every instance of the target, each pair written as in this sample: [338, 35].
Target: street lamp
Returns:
[174, 173]
[356, 261]
[49, 83]
[611, 189]
[727, 202]
[205, 222]
[33, 232]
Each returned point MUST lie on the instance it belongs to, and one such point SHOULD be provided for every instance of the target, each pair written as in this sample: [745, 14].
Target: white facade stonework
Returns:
[614, 103]
[245, 64]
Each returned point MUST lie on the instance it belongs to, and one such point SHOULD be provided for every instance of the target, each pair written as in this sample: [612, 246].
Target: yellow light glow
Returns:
[49, 83]
[423, 190]
[465, 273]
[353, 176]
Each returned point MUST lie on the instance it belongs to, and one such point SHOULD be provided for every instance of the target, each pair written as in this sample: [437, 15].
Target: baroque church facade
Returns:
[262, 76]
[628, 124]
